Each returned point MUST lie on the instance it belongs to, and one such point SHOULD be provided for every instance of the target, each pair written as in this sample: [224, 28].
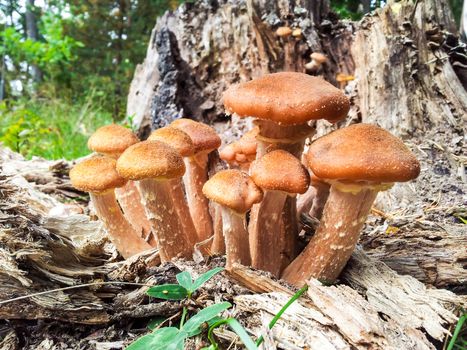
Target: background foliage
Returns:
[66, 66]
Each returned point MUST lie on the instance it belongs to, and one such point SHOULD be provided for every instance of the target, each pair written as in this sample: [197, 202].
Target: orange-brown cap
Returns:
[175, 138]
[283, 32]
[205, 138]
[280, 171]
[245, 147]
[362, 152]
[112, 140]
[96, 175]
[318, 57]
[287, 98]
[150, 159]
[233, 189]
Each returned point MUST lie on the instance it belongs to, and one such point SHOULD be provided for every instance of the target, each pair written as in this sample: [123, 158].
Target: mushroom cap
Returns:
[150, 159]
[280, 171]
[362, 152]
[205, 138]
[283, 31]
[244, 147]
[318, 57]
[112, 140]
[287, 98]
[233, 189]
[175, 138]
[96, 175]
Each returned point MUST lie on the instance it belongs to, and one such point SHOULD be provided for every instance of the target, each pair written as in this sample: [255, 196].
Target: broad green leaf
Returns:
[185, 280]
[156, 321]
[193, 325]
[241, 332]
[168, 292]
[206, 277]
[159, 339]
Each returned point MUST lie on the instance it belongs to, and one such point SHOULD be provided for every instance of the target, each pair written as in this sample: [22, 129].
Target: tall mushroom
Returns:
[283, 104]
[358, 162]
[111, 140]
[235, 192]
[154, 164]
[205, 140]
[180, 141]
[97, 175]
[280, 175]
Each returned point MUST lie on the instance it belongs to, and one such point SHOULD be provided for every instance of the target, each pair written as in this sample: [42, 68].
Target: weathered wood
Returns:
[390, 311]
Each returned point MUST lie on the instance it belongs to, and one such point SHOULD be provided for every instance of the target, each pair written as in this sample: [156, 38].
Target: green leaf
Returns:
[160, 339]
[155, 322]
[206, 277]
[168, 292]
[193, 326]
[185, 280]
[241, 332]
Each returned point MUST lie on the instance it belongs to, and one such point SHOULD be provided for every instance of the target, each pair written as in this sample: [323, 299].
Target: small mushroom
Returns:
[317, 60]
[111, 140]
[235, 192]
[284, 34]
[279, 174]
[205, 140]
[97, 175]
[357, 161]
[241, 152]
[343, 79]
[155, 165]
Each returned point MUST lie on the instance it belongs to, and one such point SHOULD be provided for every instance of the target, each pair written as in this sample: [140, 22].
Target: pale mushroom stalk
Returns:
[334, 241]
[322, 190]
[160, 209]
[236, 238]
[121, 232]
[265, 232]
[129, 199]
[183, 212]
[195, 177]
[218, 242]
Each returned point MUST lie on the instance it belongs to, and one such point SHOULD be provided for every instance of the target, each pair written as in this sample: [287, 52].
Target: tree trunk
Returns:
[33, 34]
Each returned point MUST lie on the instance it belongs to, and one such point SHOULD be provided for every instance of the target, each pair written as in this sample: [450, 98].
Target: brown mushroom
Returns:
[279, 174]
[317, 60]
[235, 192]
[97, 175]
[184, 145]
[241, 152]
[111, 140]
[156, 165]
[283, 104]
[358, 162]
[205, 140]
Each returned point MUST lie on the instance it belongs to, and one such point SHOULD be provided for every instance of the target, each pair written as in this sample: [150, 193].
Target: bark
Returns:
[33, 34]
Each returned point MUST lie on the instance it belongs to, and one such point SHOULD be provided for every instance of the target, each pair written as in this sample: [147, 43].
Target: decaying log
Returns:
[389, 311]
[375, 308]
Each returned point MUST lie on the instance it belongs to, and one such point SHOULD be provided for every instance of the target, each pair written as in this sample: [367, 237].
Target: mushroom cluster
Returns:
[157, 193]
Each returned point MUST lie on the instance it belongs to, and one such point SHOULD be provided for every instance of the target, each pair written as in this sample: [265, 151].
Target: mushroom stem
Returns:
[194, 178]
[218, 243]
[290, 138]
[183, 212]
[171, 239]
[334, 241]
[322, 190]
[121, 232]
[236, 238]
[265, 232]
[129, 199]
